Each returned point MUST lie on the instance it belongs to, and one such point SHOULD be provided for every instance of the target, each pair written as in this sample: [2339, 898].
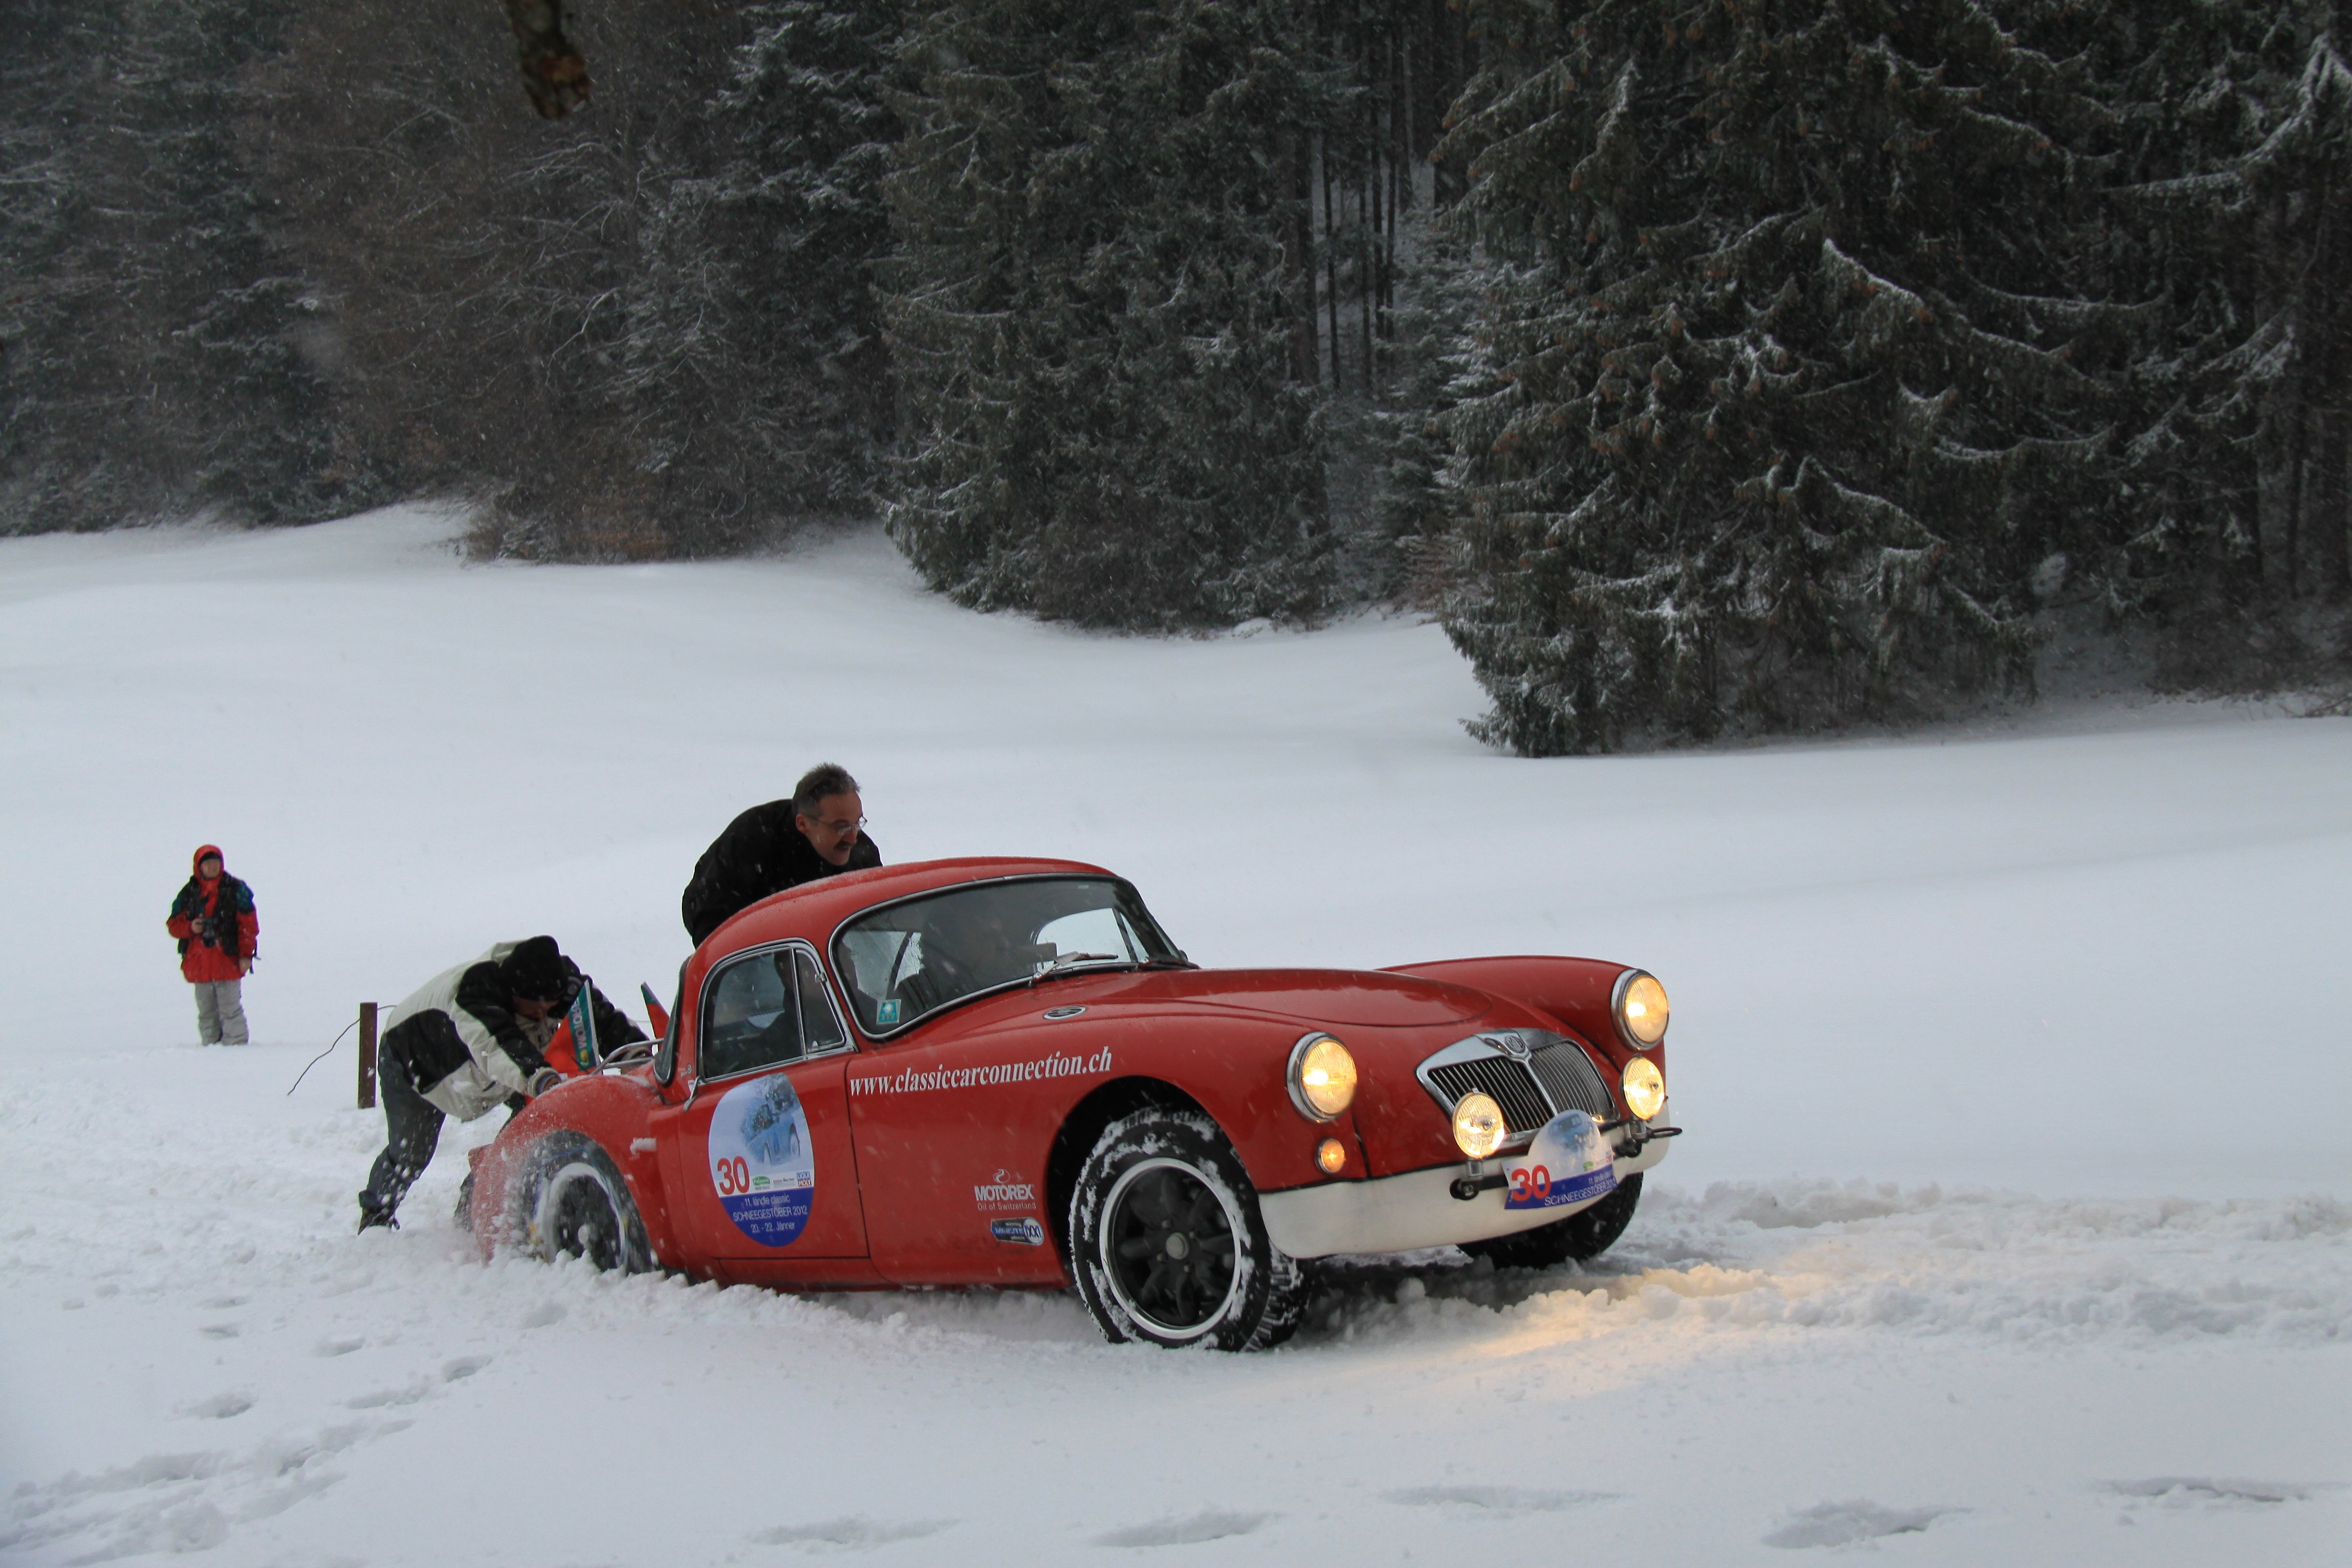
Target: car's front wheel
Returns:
[1588, 1233]
[1167, 1243]
[569, 1200]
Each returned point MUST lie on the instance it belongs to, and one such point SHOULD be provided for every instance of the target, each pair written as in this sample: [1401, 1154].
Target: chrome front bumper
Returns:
[1399, 1214]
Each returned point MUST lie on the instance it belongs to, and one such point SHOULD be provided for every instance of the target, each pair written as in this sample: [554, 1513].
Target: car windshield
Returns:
[906, 961]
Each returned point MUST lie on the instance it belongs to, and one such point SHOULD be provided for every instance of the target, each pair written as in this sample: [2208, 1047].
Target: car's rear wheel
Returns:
[1588, 1233]
[1167, 1243]
[570, 1202]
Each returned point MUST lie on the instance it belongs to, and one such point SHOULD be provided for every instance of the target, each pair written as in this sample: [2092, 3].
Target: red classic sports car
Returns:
[1002, 1073]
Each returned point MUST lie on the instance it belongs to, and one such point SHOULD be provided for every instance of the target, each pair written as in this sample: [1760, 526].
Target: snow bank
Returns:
[2008, 1228]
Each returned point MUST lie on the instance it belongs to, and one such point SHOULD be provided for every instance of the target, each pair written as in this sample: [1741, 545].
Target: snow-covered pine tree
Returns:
[1780, 356]
[798, 217]
[162, 354]
[536, 309]
[1090, 316]
[2235, 209]
[1434, 361]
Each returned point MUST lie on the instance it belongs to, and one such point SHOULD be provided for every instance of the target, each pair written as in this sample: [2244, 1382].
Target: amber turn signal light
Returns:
[1331, 1155]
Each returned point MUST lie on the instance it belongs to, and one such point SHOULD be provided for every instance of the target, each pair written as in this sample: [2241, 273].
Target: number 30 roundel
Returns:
[762, 1164]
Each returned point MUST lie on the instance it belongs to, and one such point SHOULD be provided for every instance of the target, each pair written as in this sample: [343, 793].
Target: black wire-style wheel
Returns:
[569, 1201]
[1587, 1233]
[1167, 1242]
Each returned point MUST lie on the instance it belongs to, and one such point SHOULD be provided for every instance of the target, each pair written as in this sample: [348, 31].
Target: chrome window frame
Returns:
[768, 951]
[834, 941]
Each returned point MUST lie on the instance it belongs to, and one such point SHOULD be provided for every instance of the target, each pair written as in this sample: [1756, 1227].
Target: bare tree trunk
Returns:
[1367, 218]
[2331, 521]
[1298, 255]
[1330, 259]
[2330, 402]
[2298, 417]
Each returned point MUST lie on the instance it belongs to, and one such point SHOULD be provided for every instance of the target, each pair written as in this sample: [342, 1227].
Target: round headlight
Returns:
[1646, 1088]
[1641, 1009]
[1478, 1128]
[1322, 1077]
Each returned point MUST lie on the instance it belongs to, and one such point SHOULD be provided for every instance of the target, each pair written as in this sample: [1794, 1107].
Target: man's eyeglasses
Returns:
[839, 829]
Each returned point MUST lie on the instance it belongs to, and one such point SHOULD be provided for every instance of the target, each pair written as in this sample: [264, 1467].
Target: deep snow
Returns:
[2010, 1225]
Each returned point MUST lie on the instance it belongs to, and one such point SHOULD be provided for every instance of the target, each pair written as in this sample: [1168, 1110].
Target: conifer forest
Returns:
[1709, 367]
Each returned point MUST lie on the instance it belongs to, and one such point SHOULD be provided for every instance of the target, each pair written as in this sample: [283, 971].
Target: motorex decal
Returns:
[762, 1162]
[1569, 1162]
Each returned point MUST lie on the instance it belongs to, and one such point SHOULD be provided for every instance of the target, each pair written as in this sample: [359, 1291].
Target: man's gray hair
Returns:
[820, 784]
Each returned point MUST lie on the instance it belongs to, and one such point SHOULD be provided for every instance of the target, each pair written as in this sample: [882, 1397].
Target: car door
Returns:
[766, 1174]
[954, 1124]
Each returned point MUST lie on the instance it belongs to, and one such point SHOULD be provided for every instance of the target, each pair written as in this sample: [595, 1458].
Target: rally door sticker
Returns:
[762, 1162]
[1569, 1162]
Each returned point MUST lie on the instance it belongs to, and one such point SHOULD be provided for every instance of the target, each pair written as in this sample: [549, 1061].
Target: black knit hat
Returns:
[535, 970]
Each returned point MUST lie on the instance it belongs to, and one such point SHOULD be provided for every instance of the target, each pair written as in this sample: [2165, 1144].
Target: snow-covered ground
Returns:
[2013, 1225]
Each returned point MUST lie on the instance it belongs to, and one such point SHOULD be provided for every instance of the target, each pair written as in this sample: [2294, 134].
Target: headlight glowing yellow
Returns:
[1478, 1127]
[1646, 1088]
[1641, 1009]
[1322, 1077]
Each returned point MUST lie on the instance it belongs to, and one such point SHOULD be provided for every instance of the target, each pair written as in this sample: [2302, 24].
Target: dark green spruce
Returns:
[1780, 353]
[1091, 319]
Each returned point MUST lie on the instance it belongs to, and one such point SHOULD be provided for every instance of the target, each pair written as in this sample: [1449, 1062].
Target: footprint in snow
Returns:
[219, 1331]
[408, 1394]
[849, 1534]
[220, 1407]
[1845, 1523]
[1189, 1531]
[337, 1347]
[1496, 1500]
[464, 1366]
[2199, 1491]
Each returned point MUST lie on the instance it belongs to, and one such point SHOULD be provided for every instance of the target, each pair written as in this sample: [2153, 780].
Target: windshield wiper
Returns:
[1048, 967]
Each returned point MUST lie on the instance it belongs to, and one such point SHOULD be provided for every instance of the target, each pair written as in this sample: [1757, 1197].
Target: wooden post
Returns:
[367, 1056]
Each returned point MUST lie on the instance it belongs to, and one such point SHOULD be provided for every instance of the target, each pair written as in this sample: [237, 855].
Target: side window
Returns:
[820, 1026]
[749, 1019]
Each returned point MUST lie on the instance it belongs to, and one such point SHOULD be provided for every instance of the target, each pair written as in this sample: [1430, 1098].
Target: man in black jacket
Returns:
[469, 1040]
[778, 846]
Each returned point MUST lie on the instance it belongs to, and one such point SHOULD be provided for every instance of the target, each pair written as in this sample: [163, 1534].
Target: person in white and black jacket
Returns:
[469, 1040]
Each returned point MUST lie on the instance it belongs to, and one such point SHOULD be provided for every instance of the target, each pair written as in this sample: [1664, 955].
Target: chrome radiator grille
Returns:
[1569, 1076]
[1513, 1087]
[1555, 1076]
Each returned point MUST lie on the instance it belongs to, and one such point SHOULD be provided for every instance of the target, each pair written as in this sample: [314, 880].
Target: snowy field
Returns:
[2014, 1223]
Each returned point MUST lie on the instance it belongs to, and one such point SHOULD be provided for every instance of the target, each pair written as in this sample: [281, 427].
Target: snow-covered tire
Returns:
[1167, 1243]
[1588, 1233]
[568, 1200]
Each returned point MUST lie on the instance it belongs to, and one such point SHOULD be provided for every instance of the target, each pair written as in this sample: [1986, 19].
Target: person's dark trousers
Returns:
[411, 1131]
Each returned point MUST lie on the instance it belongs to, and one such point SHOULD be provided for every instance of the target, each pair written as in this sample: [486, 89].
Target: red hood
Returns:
[1331, 997]
[196, 861]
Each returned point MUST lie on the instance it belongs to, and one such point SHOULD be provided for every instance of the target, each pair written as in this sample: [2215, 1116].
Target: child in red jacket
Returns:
[214, 919]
